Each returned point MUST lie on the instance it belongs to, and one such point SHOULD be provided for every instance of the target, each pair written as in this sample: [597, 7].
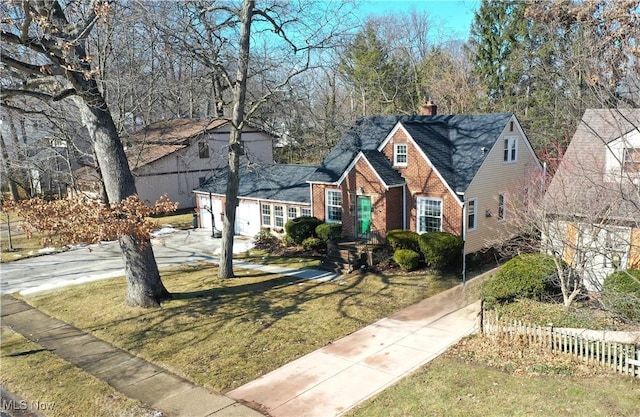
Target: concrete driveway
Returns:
[104, 260]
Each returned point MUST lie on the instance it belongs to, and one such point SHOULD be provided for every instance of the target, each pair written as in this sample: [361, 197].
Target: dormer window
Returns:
[631, 160]
[510, 150]
[400, 151]
[203, 150]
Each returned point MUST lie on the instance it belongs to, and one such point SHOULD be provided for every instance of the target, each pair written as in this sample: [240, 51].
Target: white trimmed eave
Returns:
[440, 177]
[206, 194]
[353, 164]
[395, 129]
[525, 138]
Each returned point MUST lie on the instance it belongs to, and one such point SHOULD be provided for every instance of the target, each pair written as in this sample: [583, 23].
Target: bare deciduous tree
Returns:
[44, 48]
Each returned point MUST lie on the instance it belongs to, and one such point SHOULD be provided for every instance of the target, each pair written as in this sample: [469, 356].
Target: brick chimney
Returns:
[429, 109]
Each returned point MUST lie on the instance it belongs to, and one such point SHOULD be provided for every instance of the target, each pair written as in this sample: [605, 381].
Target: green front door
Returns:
[363, 216]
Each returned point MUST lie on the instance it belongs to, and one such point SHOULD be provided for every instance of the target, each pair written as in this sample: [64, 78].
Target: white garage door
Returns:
[205, 215]
[248, 218]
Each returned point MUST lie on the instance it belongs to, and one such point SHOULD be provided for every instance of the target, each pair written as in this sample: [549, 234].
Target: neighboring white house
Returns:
[593, 201]
[175, 156]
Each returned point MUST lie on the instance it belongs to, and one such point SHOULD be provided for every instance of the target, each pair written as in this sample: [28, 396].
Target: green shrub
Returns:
[529, 275]
[440, 249]
[621, 294]
[313, 243]
[403, 239]
[264, 239]
[406, 259]
[301, 228]
[329, 231]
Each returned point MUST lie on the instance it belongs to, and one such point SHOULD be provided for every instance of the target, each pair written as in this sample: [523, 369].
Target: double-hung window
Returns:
[502, 209]
[429, 215]
[266, 215]
[292, 212]
[305, 212]
[472, 215]
[334, 206]
[278, 216]
[203, 150]
[510, 149]
[631, 160]
[400, 151]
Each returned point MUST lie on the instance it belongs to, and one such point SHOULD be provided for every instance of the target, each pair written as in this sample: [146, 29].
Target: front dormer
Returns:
[623, 158]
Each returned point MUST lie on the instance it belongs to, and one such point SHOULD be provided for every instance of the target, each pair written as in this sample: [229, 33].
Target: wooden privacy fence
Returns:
[624, 358]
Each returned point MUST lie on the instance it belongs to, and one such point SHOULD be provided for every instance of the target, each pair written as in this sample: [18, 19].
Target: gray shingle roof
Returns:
[582, 184]
[266, 182]
[382, 166]
[453, 143]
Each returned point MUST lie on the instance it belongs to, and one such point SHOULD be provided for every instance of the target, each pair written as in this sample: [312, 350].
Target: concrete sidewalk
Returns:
[324, 383]
[134, 377]
[337, 377]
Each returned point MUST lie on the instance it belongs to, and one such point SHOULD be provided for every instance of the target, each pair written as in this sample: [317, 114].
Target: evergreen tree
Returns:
[499, 27]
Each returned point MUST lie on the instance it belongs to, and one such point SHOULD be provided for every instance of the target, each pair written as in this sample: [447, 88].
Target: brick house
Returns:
[427, 172]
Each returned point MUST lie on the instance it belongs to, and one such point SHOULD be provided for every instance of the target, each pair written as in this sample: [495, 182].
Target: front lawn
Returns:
[479, 378]
[224, 333]
[55, 387]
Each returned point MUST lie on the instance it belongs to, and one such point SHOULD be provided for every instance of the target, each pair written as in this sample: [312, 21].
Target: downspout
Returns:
[311, 199]
[464, 242]
[404, 205]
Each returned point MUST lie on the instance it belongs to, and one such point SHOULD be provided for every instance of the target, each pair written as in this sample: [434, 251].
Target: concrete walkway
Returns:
[337, 377]
[324, 383]
[134, 377]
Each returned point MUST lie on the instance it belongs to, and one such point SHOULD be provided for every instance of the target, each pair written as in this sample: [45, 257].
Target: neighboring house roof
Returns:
[453, 143]
[165, 137]
[266, 182]
[582, 185]
[175, 131]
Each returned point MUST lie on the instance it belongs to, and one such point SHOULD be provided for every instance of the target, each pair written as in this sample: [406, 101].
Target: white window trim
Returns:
[395, 154]
[471, 228]
[303, 210]
[326, 204]
[283, 216]
[418, 199]
[512, 146]
[263, 214]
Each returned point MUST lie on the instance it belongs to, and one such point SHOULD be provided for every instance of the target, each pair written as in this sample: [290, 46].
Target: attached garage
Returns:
[268, 196]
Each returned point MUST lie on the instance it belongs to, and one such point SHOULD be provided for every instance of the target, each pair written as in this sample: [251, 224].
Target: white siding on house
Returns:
[595, 252]
[179, 173]
[496, 177]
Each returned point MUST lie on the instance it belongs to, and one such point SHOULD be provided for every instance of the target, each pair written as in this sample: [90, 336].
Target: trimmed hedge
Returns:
[440, 249]
[301, 228]
[403, 239]
[621, 293]
[531, 275]
[313, 243]
[329, 231]
[407, 259]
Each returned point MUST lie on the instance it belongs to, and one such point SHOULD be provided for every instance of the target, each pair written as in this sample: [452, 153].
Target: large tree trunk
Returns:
[7, 169]
[144, 286]
[235, 143]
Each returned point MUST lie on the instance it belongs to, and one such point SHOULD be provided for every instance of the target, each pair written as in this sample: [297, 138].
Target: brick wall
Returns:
[422, 181]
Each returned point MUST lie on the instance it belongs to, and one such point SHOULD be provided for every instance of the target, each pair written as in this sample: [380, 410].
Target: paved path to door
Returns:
[339, 376]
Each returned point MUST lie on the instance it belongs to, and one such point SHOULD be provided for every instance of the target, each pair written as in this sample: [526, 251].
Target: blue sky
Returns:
[454, 15]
